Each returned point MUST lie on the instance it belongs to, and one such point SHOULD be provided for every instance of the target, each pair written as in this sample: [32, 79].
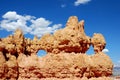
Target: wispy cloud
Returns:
[79, 2]
[119, 61]
[105, 50]
[27, 23]
[117, 64]
[63, 5]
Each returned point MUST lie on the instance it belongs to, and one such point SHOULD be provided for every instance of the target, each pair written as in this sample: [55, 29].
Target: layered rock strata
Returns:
[66, 56]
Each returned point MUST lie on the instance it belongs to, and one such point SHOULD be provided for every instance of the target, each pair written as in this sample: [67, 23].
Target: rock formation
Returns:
[70, 39]
[98, 42]
[66, 56]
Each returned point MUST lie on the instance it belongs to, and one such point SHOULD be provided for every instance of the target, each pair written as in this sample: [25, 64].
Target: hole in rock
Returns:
[41, 53]
[90, 50]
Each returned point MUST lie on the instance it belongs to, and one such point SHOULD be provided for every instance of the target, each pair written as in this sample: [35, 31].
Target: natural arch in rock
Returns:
[41, 53]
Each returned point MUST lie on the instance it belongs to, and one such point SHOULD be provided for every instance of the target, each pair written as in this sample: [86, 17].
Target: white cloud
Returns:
[27, 23]
[12, 15]
[40, 22]
[105, 50]
[78, 2]
[11, 21]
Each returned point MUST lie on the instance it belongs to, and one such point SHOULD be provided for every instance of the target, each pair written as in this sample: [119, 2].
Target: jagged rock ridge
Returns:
[66, 55]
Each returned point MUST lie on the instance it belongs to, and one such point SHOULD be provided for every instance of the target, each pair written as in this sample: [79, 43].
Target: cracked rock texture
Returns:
[66, 57]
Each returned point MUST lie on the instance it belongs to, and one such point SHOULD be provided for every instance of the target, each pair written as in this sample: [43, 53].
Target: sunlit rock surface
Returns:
[66, 57]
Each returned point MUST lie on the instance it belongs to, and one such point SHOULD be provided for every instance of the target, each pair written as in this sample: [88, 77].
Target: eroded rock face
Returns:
[70, 39]
[98, 42]
[66, 56]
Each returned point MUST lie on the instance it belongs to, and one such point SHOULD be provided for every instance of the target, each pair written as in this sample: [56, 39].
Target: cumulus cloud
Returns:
[28, 24]
[105, 50]
[79, 2]
[11, 15]
[41, 26]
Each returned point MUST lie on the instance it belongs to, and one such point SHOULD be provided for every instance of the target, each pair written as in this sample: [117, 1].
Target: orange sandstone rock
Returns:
[70, 39]
[98, 42]
[66, 57]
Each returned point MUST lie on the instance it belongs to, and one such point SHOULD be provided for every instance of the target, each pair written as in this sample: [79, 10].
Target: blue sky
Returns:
[36, 17]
